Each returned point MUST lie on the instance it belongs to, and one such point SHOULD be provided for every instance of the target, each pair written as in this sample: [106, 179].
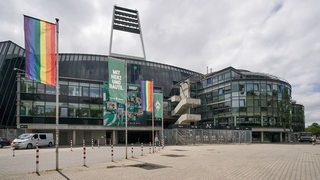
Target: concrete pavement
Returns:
[233, 161]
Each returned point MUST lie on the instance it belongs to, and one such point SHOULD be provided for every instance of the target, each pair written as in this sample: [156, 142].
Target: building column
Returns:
[280, 136]
[262, 137]
[114, 137]
[74, 137]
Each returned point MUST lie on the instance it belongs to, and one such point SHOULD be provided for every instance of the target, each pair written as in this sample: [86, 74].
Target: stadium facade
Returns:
[226, 99]
[229, 98]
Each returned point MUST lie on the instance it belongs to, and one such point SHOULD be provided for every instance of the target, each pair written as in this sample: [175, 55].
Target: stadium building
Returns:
[227, 99]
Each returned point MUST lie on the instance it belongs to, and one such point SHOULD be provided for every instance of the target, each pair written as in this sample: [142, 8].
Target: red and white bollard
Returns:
[37, 157]
[111, 152]
[13, 151]
[141, 149]
[71, 145]
[92, 143]
[84, 152]
[132, 150]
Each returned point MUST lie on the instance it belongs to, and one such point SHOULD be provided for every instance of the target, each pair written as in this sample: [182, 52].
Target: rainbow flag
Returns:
[40, 50]
[146, 95]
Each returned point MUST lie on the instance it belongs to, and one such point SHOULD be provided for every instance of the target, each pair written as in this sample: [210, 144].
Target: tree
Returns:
[314, 128]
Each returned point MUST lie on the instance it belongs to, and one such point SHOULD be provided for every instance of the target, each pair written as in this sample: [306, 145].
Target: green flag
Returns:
[116, 80]
[157, 105]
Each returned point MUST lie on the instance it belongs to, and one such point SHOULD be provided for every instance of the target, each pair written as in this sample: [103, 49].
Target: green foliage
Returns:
[314, 128]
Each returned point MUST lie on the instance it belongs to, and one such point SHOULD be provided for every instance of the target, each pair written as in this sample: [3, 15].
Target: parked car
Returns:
[29, 140]
[4, 142]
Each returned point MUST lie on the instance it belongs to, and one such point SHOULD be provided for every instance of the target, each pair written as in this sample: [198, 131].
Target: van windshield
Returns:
[24, 136]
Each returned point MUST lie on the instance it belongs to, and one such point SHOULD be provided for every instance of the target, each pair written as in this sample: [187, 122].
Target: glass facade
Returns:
[238, 98]
[81, 87]
[11, 56]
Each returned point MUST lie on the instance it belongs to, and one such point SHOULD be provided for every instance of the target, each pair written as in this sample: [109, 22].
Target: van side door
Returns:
[43, 140]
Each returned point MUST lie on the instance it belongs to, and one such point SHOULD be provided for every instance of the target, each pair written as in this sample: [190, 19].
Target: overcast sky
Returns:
[277, 37]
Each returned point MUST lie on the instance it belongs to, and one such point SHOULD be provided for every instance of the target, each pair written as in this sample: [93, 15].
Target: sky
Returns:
[277, 37]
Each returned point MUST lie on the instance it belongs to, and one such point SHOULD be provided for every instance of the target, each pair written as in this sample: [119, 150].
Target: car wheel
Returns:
[1, 146]
[29, 146]
[50, 144]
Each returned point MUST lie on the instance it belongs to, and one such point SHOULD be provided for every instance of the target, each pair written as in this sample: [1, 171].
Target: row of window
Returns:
[40, 108]
[66, 88]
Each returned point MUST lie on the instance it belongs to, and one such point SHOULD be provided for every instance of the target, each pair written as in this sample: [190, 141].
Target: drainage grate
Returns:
[174, 155]
[148, 166]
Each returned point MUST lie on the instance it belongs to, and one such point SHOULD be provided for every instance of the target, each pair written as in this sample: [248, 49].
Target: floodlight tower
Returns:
[126, 20]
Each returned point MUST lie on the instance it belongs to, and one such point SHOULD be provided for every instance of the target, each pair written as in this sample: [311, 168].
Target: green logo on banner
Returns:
[157, 105]
[116, 80]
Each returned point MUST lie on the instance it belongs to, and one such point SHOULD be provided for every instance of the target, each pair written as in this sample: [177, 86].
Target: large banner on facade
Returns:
[157, 105]
[117, 83]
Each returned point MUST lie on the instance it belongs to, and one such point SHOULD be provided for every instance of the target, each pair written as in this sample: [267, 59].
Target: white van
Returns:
[29, 140]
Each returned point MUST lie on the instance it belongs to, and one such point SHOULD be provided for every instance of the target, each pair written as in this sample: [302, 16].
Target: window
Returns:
[50, 90]
[74, 89]
[94, 90]
[242, 103]
[40, 88]
[220, 91]
[43, 136]
[50, 109]
[85, 91]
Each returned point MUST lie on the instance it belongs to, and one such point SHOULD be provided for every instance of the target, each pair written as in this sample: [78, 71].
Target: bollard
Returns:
[98, 143]
[111, 152]
[37, 158]
[92, 143]
[132, 150]
[141, 149]
[84, 152]
[71, 144]
[159, 146]
[13, 151]
[162, 143]
[150, 148]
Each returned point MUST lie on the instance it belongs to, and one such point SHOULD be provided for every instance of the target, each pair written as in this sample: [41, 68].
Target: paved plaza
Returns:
[217, 161]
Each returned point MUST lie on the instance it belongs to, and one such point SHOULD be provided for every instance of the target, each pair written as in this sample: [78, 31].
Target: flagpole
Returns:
[152, 114]
[162, 123]
[57, 94]
[126, 107]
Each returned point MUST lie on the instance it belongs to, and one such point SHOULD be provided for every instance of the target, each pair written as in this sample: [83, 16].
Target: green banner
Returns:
[157, 105]
[116, 80]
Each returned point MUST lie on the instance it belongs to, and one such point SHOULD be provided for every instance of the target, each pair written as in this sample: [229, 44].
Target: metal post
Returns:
[57, 94]
[71, 144]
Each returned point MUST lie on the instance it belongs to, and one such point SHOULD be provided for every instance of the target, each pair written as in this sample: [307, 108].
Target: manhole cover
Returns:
[148, 166]
[174, 155]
